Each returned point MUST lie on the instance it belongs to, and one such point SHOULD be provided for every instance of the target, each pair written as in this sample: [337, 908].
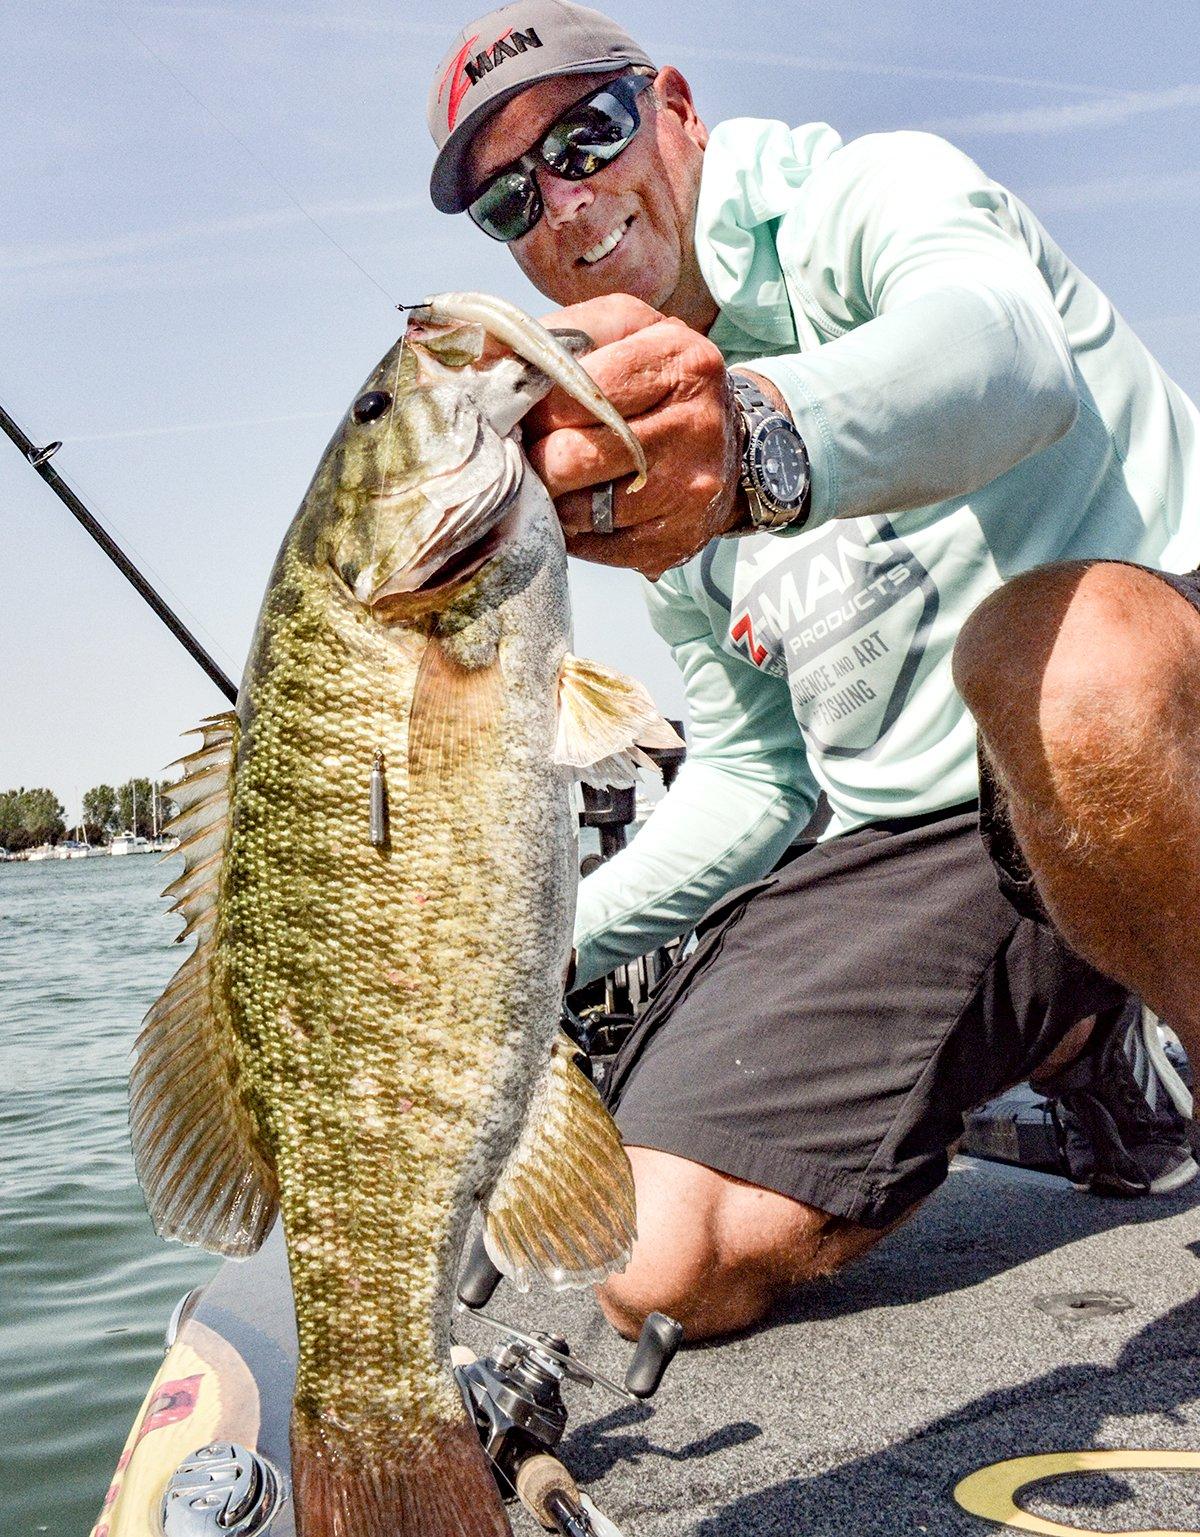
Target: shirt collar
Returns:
[753, 170]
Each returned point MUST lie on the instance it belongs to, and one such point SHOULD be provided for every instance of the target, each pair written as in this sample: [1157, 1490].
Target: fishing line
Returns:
[241, 143]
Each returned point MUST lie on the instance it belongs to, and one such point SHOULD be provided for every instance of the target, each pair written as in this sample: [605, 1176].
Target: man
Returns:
[870, 389]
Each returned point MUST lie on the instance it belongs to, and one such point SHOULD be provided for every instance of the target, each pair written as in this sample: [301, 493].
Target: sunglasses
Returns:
[587, 137]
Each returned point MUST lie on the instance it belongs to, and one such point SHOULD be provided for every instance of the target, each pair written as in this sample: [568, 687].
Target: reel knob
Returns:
[660, 1338]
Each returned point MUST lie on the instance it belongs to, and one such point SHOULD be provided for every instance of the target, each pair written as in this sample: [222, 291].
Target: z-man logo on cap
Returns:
[463, 73]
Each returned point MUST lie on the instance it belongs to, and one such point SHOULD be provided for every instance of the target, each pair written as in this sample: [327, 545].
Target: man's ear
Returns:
[674, 95]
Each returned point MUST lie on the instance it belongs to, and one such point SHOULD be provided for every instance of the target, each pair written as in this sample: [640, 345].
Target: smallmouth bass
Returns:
[365, 1037]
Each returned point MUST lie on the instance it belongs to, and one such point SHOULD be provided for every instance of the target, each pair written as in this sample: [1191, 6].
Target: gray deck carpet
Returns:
[857, 1409]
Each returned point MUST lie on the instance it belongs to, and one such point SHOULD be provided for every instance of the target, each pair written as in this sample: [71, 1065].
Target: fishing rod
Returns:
[40, 458]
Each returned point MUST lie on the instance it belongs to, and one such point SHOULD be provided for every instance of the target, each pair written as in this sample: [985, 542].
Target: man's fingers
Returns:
[635, 373]
[608, 318]
[575, 457]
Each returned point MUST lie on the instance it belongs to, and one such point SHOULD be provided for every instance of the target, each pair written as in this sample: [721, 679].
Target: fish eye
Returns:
[371, 406]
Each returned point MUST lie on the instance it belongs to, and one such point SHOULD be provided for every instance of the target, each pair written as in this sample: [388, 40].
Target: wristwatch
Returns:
[775, 470]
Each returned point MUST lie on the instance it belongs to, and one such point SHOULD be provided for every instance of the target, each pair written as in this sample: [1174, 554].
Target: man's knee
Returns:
[715, 1253]
[1073, 657]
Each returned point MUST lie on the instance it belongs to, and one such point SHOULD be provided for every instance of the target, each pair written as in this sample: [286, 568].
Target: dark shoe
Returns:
[1123, 1110]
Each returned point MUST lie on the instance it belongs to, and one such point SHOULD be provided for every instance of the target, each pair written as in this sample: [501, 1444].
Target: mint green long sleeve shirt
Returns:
[973, 406]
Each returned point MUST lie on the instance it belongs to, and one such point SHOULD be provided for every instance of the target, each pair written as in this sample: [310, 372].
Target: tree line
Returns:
[29, 817]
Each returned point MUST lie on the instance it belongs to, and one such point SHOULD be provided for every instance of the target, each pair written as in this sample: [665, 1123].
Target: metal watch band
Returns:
[766, 513]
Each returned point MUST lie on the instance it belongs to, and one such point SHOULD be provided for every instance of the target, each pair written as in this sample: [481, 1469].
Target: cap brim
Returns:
[448, 188]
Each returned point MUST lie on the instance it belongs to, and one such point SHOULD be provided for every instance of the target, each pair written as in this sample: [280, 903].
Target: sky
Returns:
[169, 309]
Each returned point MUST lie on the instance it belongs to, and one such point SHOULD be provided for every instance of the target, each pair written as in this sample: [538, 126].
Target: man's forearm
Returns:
[714, 831]
[929, 402]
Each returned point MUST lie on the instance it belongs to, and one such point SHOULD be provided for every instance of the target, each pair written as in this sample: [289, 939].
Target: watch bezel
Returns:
[755, 453]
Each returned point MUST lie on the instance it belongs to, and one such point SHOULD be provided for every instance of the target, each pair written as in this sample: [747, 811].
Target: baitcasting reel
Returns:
[515, 1397]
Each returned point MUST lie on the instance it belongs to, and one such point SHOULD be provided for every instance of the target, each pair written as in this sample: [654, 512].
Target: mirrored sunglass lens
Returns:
[508, 208]
[589, 137]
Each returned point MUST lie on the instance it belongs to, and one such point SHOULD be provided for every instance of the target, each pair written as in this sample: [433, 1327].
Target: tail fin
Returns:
[435, 1485]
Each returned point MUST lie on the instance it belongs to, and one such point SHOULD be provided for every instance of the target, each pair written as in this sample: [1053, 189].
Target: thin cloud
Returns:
[1085, 114]
[235, 424]
[385, 24]
[1108, 191]
[299, 20]
[821, 64]
[140, 243]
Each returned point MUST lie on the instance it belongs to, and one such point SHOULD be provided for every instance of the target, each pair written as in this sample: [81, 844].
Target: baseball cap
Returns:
[500, 55]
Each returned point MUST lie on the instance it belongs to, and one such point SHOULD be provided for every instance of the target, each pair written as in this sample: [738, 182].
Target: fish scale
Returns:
[370, 1307]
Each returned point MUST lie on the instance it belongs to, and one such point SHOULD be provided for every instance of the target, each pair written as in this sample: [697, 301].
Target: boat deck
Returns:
[864, 1402]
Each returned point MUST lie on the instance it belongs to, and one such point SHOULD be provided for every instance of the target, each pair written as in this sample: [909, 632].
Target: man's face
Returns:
[648, 194]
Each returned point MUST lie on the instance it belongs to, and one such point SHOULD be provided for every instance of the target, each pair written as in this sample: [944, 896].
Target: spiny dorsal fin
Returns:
[563, 1206]
[206, 1177]
[603, 720]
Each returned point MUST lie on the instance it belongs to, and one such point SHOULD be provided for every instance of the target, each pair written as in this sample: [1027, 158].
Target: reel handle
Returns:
[660, 1338]
[479, 1278]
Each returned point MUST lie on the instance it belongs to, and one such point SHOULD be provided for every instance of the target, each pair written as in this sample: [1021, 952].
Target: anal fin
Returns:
[563, 1206]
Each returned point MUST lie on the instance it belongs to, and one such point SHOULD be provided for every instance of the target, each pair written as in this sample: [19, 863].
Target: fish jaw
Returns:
[430, 463]
[530, 340]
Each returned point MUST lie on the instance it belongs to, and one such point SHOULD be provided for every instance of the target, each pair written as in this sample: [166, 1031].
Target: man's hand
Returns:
[669, 382]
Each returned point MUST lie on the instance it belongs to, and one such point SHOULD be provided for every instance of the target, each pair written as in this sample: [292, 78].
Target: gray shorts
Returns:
[837, 1019]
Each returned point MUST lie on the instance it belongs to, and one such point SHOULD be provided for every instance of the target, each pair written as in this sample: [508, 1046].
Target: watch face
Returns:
[778, 461]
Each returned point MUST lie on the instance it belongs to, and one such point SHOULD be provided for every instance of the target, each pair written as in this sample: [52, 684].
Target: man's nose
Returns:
[562, 199]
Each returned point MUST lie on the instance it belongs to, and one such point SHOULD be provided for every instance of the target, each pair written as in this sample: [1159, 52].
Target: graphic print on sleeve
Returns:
[845, 614]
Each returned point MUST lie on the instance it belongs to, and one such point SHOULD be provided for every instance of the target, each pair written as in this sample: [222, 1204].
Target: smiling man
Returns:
[871, 390]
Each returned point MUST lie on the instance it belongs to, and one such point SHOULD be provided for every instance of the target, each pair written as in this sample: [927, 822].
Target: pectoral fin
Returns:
[604, 718]
[563, 1207]
[455, 712]
[206, 1177]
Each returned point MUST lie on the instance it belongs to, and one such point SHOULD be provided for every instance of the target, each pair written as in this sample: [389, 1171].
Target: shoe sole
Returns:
[1175, 1179]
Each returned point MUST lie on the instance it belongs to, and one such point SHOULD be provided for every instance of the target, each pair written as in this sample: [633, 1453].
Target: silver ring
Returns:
[602, 508]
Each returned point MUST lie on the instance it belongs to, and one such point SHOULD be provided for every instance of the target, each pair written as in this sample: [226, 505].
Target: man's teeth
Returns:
[606, 245]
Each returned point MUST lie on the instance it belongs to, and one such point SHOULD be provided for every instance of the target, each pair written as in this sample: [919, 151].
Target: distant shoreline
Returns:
[60, 853]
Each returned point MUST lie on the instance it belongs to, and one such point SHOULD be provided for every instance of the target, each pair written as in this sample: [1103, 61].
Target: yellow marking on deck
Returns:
[992, 1491]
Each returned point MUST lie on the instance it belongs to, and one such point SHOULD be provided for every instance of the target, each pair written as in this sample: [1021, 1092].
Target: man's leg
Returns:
[793, 1089]
[1084, 680]
[715, 1252]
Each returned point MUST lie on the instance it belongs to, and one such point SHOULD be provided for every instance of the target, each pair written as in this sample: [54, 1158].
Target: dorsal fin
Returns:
[206, 1176]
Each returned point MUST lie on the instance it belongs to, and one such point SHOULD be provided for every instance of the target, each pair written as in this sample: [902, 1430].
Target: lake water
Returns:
[87, 1288]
